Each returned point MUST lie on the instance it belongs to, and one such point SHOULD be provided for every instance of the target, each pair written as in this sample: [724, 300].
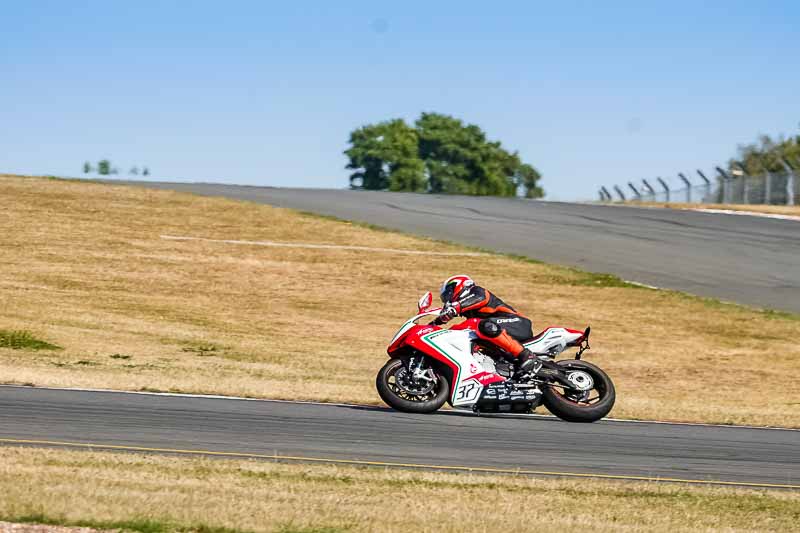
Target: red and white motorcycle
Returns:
[430, 365]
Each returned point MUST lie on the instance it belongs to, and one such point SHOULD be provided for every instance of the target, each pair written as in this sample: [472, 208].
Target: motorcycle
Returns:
[431, 365]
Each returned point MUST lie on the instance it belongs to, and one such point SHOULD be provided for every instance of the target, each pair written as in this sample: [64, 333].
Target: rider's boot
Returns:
[528, 363]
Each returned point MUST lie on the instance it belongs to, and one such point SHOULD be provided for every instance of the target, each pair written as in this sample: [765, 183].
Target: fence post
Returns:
[650, 189]
[635, 192]
[789, 181]
[725, 185]
[688, 187]
[707, 182]
[666, 187]
[745, 185]
[619, 192]
[767, 187]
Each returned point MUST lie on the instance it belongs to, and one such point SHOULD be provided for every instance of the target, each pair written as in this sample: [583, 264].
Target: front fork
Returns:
[418, 372]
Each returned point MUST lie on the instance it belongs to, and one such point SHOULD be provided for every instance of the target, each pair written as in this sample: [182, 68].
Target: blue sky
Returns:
[266, 93]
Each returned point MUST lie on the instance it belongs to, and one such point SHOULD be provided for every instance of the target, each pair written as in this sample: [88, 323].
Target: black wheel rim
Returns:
[584, 398]
[400, 384]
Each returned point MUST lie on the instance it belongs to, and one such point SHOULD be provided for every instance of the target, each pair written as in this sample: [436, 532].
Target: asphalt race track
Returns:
[265, 429]
[745, 259]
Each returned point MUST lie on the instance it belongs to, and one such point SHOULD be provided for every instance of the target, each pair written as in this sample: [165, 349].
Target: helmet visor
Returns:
[447, 291]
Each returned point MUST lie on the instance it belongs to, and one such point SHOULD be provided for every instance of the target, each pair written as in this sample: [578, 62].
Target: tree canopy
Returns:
[768, 154]
[439, 154]
[105, 168]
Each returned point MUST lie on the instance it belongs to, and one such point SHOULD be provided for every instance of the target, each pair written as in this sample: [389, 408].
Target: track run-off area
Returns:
[749, 260]
[373, 436]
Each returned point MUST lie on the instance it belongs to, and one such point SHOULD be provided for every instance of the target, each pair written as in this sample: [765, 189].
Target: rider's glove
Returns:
[448, 313]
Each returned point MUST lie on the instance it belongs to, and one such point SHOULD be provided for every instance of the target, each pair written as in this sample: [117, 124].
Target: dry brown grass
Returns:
[792, 210]
[106, 488]
[83, 268]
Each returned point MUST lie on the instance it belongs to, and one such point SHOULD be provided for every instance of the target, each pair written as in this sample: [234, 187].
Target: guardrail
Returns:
[724, 187]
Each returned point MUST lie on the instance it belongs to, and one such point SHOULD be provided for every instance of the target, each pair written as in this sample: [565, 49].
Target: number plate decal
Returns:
[468, 392]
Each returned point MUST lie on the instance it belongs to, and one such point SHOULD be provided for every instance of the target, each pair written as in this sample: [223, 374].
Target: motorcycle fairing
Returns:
[497, 394]
[553, 340]
[454, 349]
[411, 328]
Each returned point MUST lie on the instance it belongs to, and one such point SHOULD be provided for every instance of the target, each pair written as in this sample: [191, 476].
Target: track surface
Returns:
[755, 456]
[745, 259]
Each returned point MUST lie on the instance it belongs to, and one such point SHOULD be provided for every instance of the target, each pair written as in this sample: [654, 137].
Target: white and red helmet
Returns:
[454, 286]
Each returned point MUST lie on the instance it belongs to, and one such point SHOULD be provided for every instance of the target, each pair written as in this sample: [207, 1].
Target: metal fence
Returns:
[722, 187]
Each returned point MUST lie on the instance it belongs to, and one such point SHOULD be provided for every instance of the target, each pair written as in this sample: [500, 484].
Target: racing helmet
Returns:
[453, 286]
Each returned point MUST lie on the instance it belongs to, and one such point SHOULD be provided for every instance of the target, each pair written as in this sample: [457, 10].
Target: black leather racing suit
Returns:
[500, 323]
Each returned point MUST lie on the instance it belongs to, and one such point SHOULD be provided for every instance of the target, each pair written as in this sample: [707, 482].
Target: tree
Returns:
[528, 177]
[384, 156]
[448, 150]
[145, 171]
[440, 154]
[104, 167]
[87, 167]
[134, 171]
[767, 155]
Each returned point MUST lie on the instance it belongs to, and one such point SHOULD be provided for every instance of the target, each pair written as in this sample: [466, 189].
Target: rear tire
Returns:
[382, 383]
[572, 411]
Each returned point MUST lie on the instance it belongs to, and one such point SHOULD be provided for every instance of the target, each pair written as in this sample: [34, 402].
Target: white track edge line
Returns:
[645, 285]
[744, 213]
[361, 405]
[709, 210]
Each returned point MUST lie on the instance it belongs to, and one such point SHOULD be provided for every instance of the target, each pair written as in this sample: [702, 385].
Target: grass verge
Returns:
[154, 494]
[83, 265]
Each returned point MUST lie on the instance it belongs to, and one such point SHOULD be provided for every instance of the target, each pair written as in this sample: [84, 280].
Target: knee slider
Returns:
[489, 329]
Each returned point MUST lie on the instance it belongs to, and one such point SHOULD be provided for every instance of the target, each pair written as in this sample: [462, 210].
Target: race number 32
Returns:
[467, 392]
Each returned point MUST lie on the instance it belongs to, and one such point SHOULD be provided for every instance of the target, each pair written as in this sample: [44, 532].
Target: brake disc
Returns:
[412, 386]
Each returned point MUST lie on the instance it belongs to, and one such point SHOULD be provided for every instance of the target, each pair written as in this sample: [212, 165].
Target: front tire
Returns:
[397, 398]
[581, 407]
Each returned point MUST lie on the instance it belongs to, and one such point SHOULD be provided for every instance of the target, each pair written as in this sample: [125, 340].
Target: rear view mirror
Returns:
[425, 301]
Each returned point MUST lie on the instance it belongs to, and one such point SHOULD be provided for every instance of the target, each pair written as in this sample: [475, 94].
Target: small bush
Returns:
[202, 349]
[23, 340]
[591, 279]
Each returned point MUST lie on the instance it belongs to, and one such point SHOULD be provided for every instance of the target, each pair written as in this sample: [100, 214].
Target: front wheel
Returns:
[590, 400]
[398, 388]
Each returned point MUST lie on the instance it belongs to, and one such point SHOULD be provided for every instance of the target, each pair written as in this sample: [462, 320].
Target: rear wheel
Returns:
[399, 388]
[591, 399]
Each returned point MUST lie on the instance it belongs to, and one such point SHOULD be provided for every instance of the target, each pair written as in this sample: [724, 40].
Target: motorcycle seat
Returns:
[534, 338]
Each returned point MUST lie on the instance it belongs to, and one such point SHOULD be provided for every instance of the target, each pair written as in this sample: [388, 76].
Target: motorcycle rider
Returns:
[500, 324]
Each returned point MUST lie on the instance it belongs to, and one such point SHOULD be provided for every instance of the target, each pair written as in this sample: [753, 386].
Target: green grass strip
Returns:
[23, 340]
